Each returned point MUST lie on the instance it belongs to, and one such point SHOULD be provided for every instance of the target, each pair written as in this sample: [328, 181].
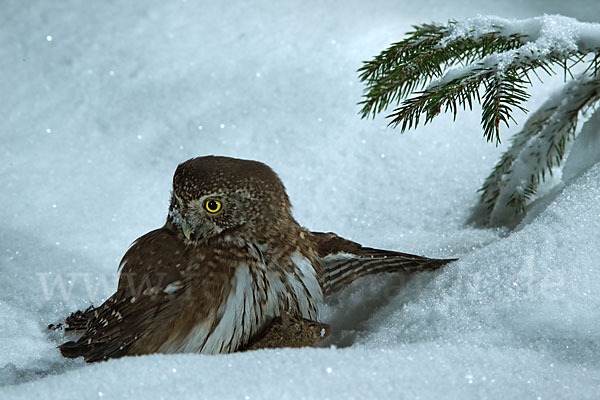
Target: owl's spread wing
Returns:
[144, 308]
[344, 261]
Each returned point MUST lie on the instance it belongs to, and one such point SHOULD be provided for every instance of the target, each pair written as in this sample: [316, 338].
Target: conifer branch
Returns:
[490, 61]
[446, 69]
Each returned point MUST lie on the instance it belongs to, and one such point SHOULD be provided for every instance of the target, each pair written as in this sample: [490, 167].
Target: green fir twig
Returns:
[442, 68]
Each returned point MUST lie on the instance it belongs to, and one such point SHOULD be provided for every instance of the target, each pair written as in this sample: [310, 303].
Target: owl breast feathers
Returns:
[229, 261]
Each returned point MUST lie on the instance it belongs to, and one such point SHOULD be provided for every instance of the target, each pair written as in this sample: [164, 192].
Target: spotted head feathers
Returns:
[215, 196]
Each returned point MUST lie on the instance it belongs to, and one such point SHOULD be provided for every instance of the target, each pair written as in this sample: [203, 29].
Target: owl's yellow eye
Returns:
[212, 206]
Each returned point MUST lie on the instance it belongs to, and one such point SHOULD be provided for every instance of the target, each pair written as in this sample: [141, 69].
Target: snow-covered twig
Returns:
[451, 64]
[537, 150]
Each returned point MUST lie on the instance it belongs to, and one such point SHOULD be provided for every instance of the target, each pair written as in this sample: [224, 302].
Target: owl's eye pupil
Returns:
[212, 206]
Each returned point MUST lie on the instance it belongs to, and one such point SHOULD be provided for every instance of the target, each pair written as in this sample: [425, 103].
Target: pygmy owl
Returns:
[229, 261]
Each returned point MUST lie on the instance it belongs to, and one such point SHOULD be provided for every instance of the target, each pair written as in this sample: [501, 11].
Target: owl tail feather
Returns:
[78, 321]
[71, 349]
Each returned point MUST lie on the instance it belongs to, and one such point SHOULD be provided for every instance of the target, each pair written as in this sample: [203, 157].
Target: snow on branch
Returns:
[447, 65]
[490, 60]
[537, 150]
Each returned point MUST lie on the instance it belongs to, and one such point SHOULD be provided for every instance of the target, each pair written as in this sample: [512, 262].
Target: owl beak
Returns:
[187, 229]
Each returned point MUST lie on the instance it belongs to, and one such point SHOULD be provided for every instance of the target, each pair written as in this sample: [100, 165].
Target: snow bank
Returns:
[103, 101]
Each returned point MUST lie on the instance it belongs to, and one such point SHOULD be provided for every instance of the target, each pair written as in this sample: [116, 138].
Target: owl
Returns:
[229, 265]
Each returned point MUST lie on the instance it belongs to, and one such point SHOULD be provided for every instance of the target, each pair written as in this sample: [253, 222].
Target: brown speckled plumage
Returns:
[244, 277]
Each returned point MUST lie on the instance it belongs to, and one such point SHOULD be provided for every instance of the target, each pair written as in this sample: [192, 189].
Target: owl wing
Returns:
[144, 308]
[344, 261]
[142, 267]
[115, 326]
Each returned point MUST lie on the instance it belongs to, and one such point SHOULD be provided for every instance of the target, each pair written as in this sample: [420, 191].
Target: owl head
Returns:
[215, 196]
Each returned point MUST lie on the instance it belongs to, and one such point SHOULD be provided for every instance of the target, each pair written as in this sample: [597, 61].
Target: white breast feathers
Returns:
[258, 294]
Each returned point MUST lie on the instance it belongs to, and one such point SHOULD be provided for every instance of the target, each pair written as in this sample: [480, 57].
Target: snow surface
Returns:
[102, 100]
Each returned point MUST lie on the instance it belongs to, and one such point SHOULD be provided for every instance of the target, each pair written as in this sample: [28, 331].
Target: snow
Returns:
[103, 100]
